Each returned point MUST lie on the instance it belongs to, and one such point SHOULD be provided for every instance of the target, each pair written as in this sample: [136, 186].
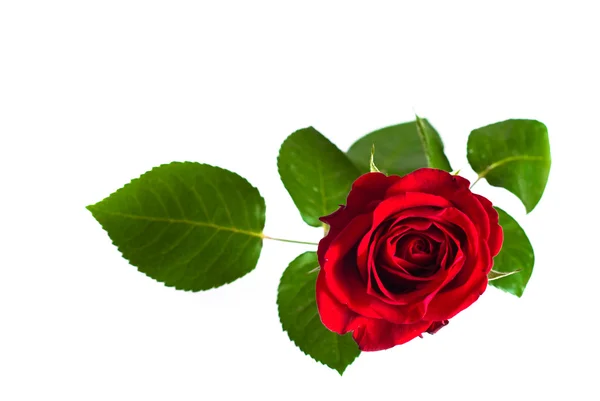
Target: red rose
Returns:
[404, 255]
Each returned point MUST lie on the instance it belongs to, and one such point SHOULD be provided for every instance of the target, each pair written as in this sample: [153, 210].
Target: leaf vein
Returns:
[508, 160]
[183, 221]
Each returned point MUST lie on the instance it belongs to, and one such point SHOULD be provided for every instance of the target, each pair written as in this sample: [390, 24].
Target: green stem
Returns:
[289, 240]
[476, 181]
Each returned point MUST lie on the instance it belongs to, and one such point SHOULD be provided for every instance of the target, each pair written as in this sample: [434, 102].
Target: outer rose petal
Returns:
[377, 334]
[334, 315]
[364, 194]
[447, 304]
[496, 235]
[369, 334]
[342, 219]
[405, 201]
[431, 181]
[368, 188]
[436, 326]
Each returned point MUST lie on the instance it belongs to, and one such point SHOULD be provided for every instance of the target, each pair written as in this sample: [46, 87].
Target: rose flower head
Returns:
[404, 255]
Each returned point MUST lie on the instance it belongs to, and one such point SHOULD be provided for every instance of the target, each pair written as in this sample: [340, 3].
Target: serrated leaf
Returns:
[401, 149]
[188, 225]
[300, 318]
[516, 254]
[317, 175]
[512, 154]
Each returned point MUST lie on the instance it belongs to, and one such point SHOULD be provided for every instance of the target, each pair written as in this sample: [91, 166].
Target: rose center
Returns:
[414, 246]
[420, 252]
[420, 246]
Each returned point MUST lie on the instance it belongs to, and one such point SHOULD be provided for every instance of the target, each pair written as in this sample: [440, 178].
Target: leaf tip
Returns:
[529, 207]
[340, 370]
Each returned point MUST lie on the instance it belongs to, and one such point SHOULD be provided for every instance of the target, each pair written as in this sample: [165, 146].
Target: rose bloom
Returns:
[404, 255]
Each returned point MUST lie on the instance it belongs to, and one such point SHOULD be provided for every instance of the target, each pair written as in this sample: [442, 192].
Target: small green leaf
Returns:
[516, 255]
[401, 148]
[513, 154]
[317, 175]
[372, 167]
[191, 226]
[300, 318]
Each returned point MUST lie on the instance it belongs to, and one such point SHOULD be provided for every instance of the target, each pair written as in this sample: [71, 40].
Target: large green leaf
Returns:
[191, 226]
[317, 175]
[300, 318]
[516, 254]
[401, 149]
[512, 154]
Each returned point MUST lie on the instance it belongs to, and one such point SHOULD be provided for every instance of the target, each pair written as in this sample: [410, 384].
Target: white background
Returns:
[93, 94]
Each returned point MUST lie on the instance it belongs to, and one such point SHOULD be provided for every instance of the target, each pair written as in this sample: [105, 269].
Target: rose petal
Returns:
[436, 326]
[496, 234]
[460, 294]
[365, 194]
[401, 270]
[343, 276]
[447, 305]
[377, 335]
[364, 252]
[452, 216]
[412, 295]
[424, 204]
[334, 315]
[448, 252]
[368, 188]
[341, 218]
[451, 187]
[345, 283]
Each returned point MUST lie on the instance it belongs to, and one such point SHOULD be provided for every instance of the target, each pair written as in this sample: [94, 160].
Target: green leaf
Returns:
[512, 154]
[188, 225]
[401, 148]
[300, 318]
[317, 175]
[516, 255]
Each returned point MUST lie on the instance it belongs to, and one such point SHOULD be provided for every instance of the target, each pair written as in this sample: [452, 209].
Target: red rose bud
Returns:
[404, 255]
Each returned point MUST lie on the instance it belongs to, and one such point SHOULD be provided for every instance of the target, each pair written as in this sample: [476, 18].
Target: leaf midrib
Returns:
[509, 159]
[180, 221]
